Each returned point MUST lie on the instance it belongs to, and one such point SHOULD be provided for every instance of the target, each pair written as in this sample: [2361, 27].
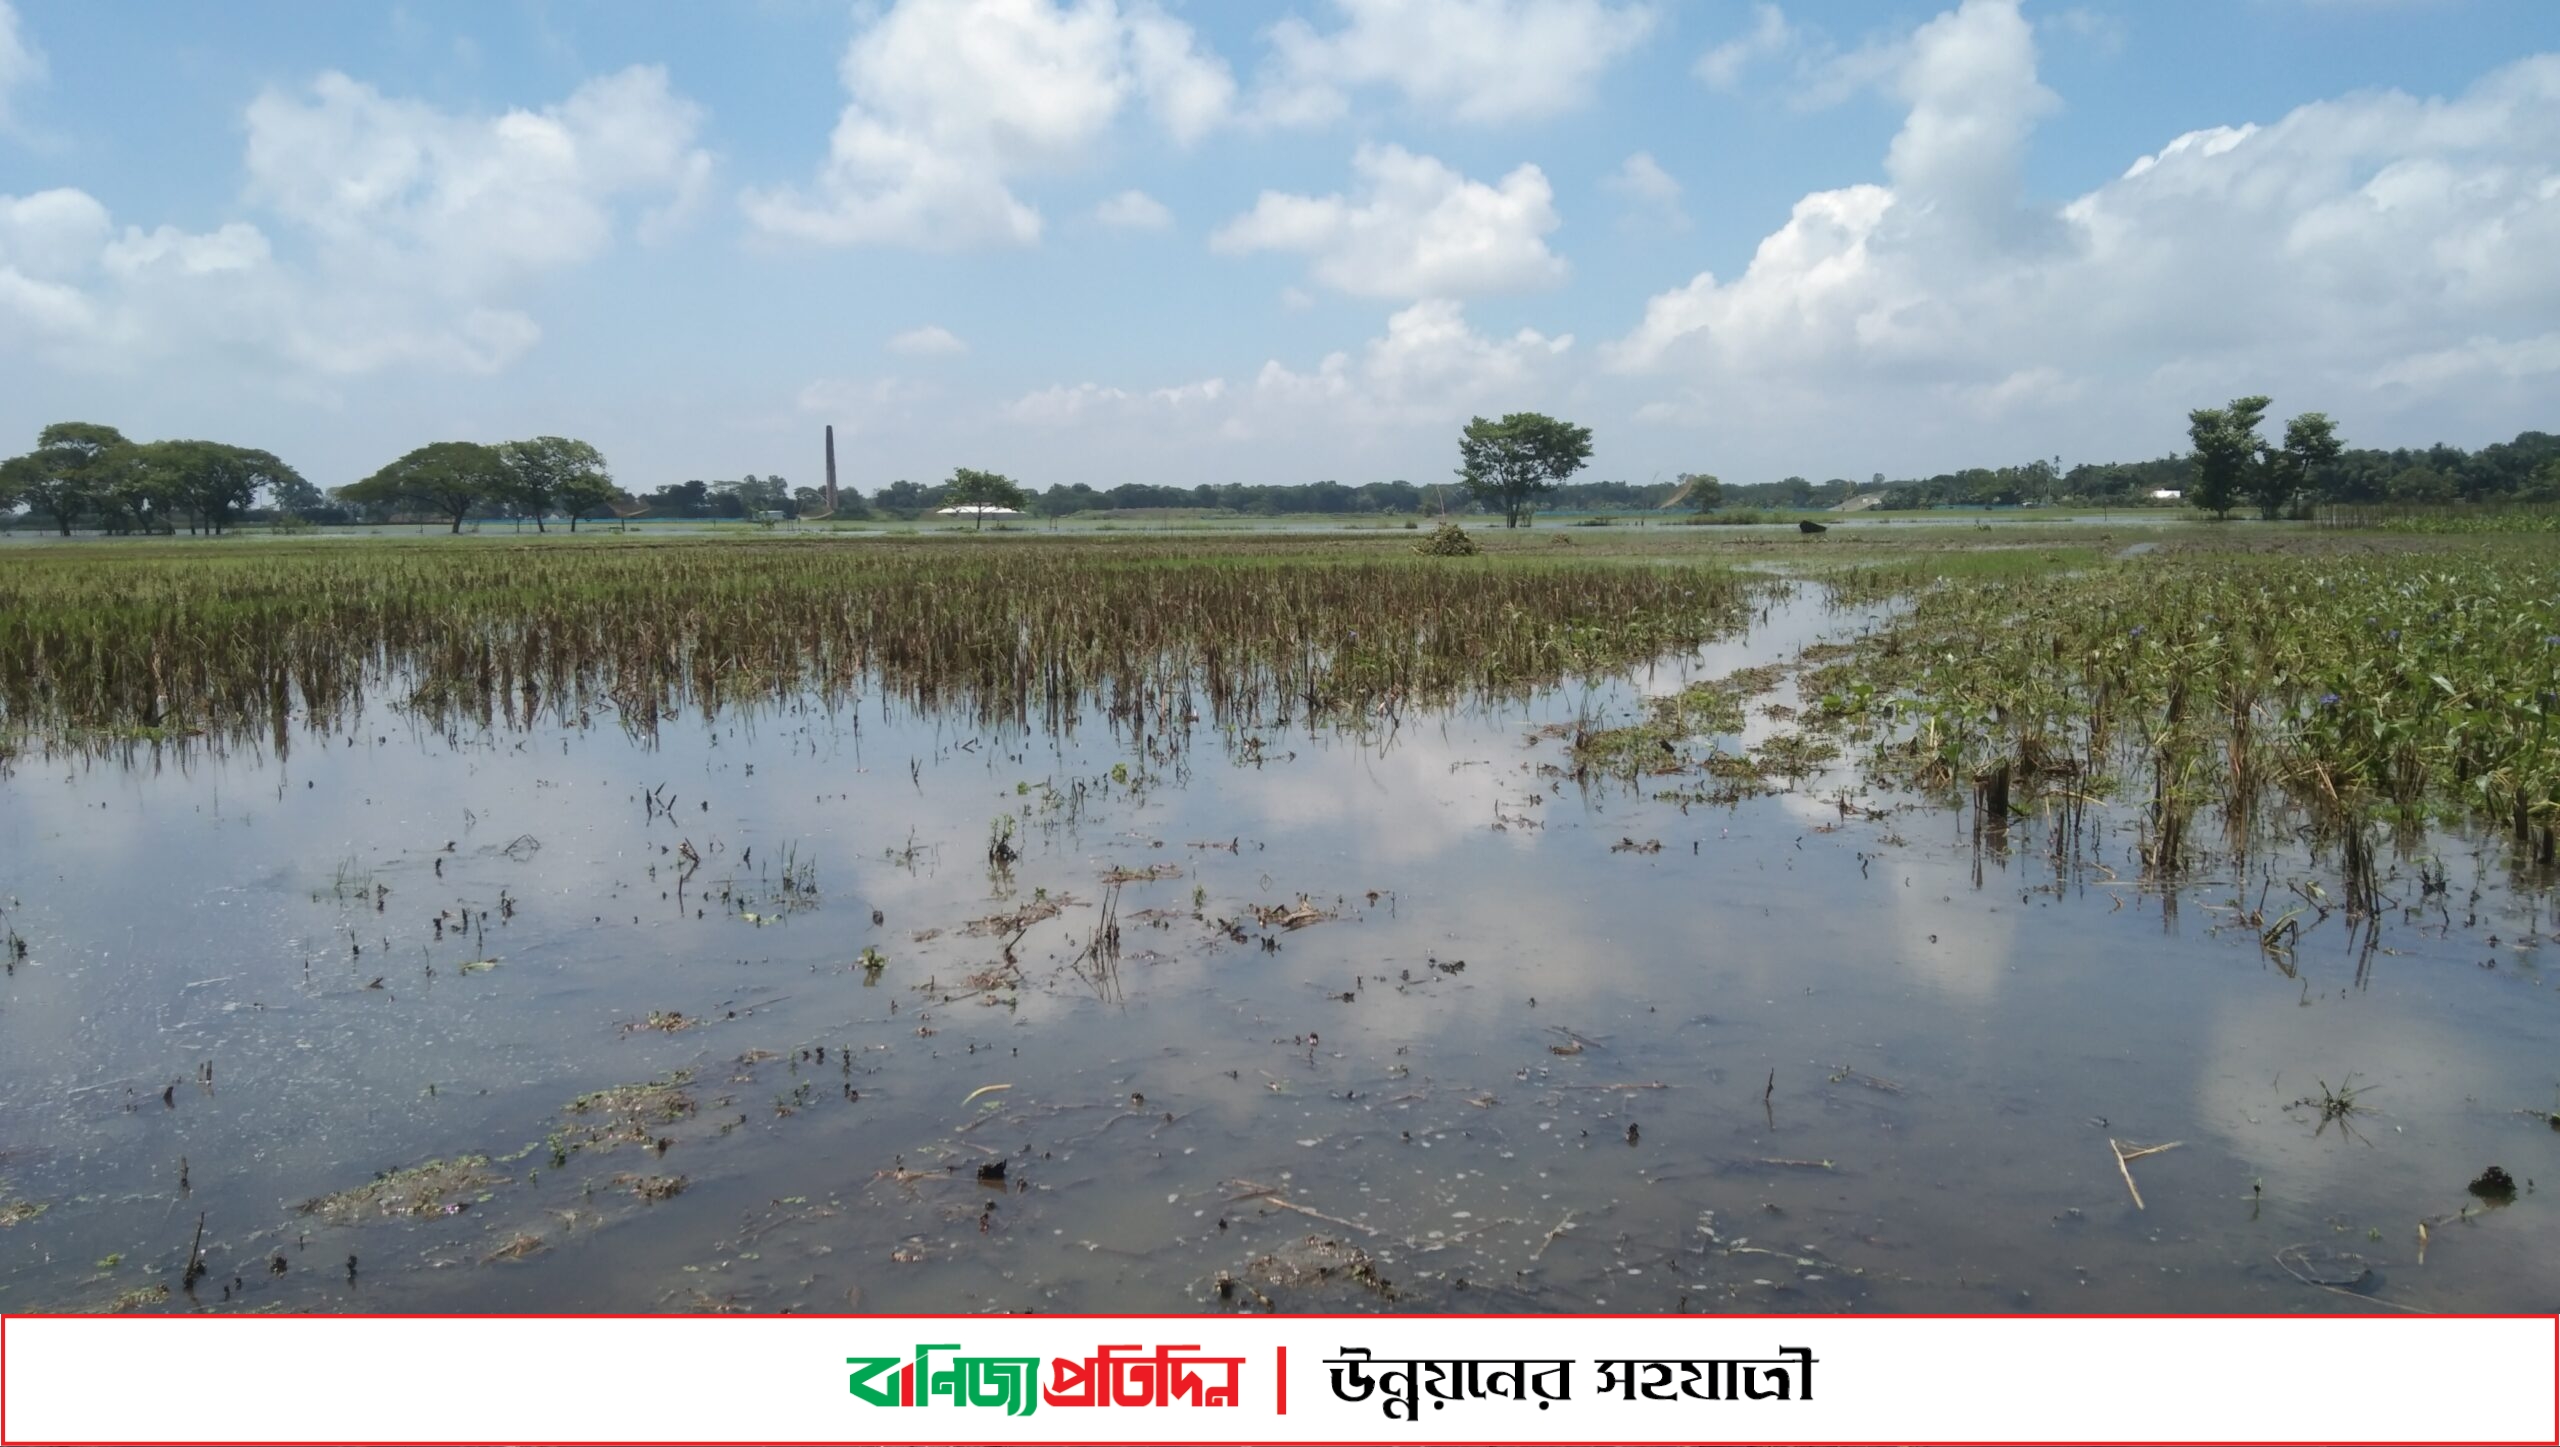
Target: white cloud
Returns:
[927, 341]
[421, 225]
[471, 201]
[2376, 248]
[1065, 406]
[1188, 90]
[1419, 229]
[1475, 61]
[1651, 193]
[1421, 379]
[955, 100]
[1723, 64]
[1134, 210]
[1431, 366]
[21, 64]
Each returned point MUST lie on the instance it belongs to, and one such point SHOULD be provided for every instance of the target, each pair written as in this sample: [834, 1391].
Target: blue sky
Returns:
[1133, 240]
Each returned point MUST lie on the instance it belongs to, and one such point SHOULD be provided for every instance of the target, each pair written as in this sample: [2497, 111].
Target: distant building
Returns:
[2166, 494]
[979, 510]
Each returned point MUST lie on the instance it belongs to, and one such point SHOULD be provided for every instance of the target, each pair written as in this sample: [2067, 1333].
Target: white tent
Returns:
[982, 510]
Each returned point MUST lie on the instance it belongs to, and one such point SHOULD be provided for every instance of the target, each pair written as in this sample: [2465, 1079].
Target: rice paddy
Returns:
[107, 646]
[2358, 687]
[1899, 919]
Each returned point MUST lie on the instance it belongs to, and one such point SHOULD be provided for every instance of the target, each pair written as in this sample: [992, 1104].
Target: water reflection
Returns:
[1804, 1056]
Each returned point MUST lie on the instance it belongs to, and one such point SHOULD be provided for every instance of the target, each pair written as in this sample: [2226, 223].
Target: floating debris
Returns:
[436, 1188]
[653, 1188]
[1319, 1261]
[1298, 915]
[1153, 872]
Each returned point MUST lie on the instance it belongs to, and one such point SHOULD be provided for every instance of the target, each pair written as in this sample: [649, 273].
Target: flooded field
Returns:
[811, 961]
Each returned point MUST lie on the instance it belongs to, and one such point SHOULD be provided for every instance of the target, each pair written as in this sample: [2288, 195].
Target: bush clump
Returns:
[1447, 541]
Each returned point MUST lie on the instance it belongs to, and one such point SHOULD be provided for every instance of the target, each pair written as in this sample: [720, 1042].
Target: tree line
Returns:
[88, 472]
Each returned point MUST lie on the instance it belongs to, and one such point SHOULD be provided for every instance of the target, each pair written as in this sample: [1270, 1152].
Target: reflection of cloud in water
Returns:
[2415, 1075]
[1409, 799]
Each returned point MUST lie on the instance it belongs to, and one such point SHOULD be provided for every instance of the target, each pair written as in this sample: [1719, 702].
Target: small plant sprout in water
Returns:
[2339, 1105]
[872, 963]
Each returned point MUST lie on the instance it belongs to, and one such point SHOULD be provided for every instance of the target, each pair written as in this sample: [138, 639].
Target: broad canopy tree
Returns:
[2234, 463]
[84, 469]
[448, 479]
[215, 481]
[969, 487]
[1512, 463]
[71, 470]
[530, 478]
[562, 474]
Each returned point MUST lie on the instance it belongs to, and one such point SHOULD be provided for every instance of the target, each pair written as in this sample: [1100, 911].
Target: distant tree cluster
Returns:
[453, 481]
[88, 473]
[743, 497]
[83, 474]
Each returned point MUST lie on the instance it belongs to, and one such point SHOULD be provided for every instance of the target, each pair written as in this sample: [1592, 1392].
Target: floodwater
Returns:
[1401, 1019]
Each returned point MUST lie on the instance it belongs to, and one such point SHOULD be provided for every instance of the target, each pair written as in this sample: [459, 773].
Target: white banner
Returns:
[1291, 1379]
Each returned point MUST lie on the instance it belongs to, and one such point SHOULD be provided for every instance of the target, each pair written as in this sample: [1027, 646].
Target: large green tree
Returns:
[15, 473]
[970, 487]
[297, 497]
[2285, 473]
[215, 481]
[1512, 463]
[68, 474]
[547, 474]
[448, 479]
[2226, 452]
[586, 494]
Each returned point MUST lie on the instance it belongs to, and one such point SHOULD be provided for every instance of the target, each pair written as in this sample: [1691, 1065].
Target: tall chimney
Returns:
[831, 466]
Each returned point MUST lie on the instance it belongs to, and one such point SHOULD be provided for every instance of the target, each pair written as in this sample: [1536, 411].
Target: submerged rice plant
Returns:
[2398, 685]
[132, 646]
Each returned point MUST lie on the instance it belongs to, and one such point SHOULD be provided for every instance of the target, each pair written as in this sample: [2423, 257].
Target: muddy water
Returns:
[1409, 1018]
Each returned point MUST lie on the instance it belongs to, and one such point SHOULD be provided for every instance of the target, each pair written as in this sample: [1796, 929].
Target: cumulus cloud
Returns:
[1417, 229]
[473, 201]
[1134, 210]
[420, 225]
[927, 341]
[1420, 379]
[1476, 61]
[2377, 247]
[953, 101]
[1430, 364]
